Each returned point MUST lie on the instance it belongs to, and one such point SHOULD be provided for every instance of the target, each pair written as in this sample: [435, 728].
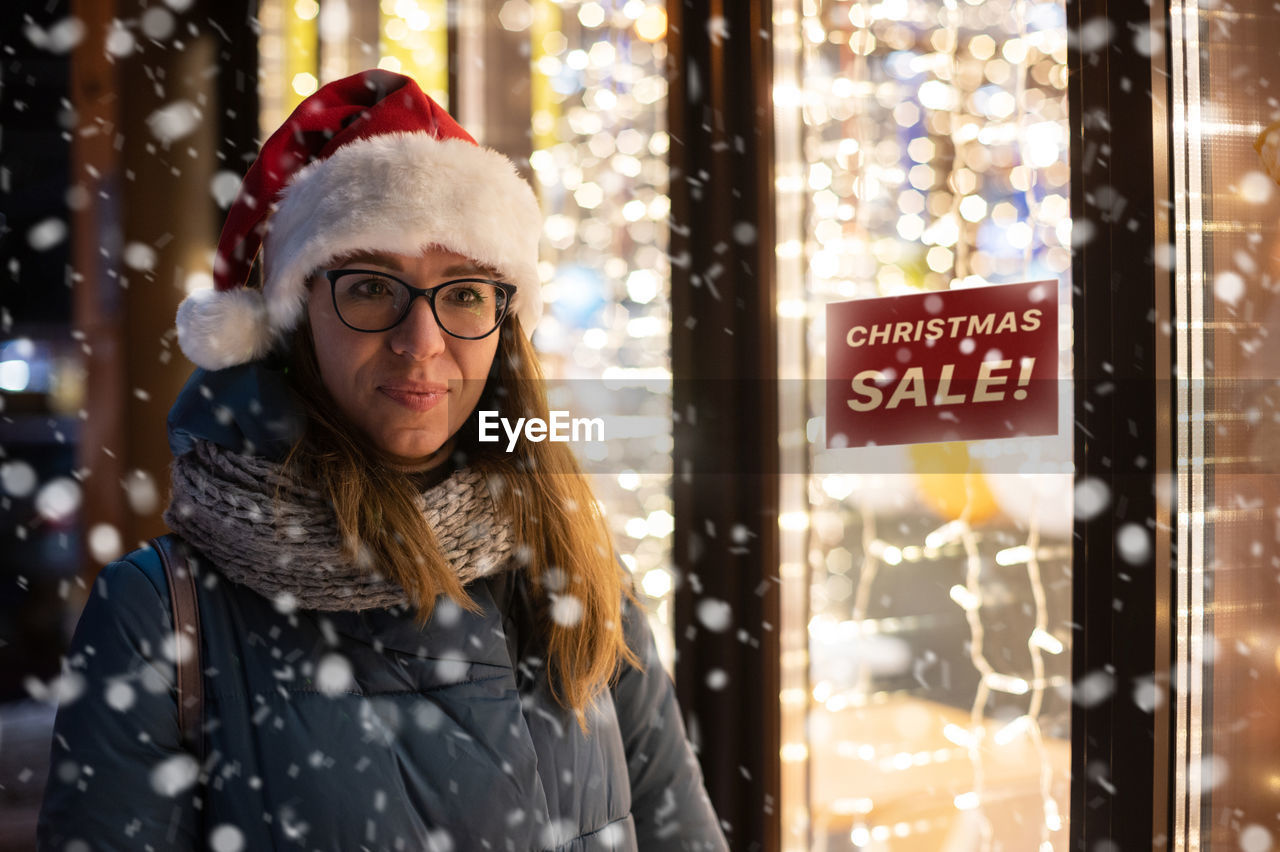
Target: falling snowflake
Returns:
[1093, 689]
[1134, 544]
[120, 42]
[334, 675]
[62, 689]
[1255, 838]
[1228, 287]
[452, 667]
[141, 492]
[566, 610]
[226, 838]
[178, 649]
[174, 121]
[1095, 34]
[715, 614]
[120, 696]
[439, 840]
[17, 478]
[59, 38]
[170, 777]
[1091, 497]
[157, 23]
[46, 234]
[717, 29]
[139, 256]
[428, 716]
[224, 186]
[558, 833]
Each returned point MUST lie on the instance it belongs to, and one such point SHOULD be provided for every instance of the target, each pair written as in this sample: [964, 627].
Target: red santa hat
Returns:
[367, 163]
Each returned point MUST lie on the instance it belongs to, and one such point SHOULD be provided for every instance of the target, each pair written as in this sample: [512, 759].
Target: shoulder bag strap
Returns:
[186, 626]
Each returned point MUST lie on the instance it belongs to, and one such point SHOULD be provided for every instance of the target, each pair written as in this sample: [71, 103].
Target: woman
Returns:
[410, 639]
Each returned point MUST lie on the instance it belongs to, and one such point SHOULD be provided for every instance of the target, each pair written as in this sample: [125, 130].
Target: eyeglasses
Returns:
[467, 308]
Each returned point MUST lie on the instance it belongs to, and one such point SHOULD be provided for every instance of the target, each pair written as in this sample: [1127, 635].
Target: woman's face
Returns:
[410, 388]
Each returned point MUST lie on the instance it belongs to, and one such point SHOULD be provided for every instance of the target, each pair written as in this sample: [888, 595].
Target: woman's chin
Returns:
[415, 454]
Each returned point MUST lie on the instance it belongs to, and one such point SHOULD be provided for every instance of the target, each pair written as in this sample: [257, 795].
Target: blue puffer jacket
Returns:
[444, 738]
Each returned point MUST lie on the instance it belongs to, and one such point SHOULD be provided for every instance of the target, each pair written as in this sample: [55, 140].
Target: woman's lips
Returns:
[415, 400]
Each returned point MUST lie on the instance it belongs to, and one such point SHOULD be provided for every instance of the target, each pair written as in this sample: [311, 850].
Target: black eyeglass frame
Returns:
[429, 293]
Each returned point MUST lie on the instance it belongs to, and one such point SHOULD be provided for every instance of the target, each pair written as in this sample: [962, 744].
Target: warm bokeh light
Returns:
[305, 83]
[652, 24]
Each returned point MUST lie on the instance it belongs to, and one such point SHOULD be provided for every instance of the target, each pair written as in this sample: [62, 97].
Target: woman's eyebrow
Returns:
[373, 258]
[470, 269]
[464, 269]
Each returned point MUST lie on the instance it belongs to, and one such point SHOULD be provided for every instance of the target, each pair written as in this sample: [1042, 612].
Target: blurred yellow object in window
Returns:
[951, 483]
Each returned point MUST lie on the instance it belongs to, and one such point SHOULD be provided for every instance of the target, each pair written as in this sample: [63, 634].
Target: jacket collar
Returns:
[249, 408]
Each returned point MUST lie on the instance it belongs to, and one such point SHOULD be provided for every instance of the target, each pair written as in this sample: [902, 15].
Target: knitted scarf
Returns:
[279, 537]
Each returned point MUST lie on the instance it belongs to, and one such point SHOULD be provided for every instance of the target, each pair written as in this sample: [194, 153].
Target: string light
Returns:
[871, 546]
[990, 678]
[1037, 643]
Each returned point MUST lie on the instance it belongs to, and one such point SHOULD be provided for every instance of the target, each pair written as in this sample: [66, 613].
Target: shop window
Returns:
[926, 610]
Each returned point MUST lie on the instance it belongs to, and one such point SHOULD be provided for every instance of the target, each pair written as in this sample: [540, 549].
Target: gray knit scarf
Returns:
[286, 547]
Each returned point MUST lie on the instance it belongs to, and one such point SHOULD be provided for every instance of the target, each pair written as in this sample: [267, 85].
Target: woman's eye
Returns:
[466, 296]
[372, 288]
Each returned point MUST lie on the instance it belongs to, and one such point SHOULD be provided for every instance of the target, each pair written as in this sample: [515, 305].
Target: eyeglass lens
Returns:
[373, 302]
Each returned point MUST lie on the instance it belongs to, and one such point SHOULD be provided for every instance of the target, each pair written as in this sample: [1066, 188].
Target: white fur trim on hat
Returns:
[403, 192]
[221, 329]
[395, 192]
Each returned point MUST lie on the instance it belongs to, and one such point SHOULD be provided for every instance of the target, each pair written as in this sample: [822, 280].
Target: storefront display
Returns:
[923, 147]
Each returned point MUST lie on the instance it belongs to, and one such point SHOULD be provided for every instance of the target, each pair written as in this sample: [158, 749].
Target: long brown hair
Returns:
[560, 536]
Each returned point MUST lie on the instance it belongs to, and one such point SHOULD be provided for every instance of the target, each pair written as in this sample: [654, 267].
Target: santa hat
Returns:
[367, 163]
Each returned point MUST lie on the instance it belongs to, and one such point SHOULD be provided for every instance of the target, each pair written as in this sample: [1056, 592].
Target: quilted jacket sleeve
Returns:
[669, 802]
[119, 778]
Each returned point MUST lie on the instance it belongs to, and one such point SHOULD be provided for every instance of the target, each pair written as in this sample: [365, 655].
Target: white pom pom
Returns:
[222, 329]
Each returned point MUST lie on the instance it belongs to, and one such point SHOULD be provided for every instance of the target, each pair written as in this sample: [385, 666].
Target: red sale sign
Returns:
[949, 365]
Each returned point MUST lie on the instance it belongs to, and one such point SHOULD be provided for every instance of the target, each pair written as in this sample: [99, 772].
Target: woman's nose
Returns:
[418, 335]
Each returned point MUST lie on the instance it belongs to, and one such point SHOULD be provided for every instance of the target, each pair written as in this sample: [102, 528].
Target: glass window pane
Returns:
[927, 588]
[1226, 242]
